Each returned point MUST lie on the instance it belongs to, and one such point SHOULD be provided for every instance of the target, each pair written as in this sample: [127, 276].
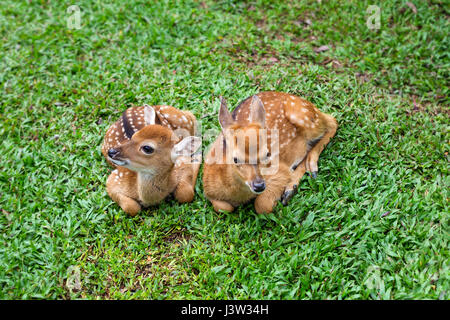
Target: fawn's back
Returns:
[289, 114]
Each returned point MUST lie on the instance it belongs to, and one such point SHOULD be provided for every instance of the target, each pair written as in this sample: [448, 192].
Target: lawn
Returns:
[373, 225]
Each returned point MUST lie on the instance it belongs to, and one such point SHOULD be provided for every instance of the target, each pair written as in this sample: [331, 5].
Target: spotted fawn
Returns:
[286, 129]
[151, 149]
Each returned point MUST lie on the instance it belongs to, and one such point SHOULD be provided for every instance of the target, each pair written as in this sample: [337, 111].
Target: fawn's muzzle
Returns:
[113, 153]
[258, 186]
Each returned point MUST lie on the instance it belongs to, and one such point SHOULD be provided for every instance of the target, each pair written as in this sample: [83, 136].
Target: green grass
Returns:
[374, 225]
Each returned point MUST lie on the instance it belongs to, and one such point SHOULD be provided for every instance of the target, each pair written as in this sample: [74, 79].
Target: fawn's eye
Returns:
[147, 149]
[268, 155]
[235, 160]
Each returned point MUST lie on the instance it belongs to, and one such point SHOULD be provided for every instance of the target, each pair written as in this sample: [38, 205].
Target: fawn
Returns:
[151, 159]
[287, 130]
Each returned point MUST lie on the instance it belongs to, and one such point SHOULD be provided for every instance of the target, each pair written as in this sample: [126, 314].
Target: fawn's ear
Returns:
[225, 118]
[186, 147]
[257, 111]
[149, 115]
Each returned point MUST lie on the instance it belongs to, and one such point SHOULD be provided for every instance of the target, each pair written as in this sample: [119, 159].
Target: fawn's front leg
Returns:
[185, 178]
[129, 205]
[184, 192]
[118, 190]
[292, 186]
[276, 185]
[220, 205]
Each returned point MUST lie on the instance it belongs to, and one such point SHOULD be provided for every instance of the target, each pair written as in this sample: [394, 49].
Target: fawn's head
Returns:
[154, 148]
[245, 144]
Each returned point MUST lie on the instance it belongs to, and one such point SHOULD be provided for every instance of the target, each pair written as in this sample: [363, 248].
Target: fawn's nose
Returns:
[258, 185]
[112, 153]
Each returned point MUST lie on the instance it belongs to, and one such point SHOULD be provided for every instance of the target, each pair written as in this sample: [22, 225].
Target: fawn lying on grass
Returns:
[266, 129]
[151, 159]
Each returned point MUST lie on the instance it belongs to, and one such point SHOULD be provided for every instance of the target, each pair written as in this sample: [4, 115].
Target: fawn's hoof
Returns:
[287, 195]
[314, 174]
